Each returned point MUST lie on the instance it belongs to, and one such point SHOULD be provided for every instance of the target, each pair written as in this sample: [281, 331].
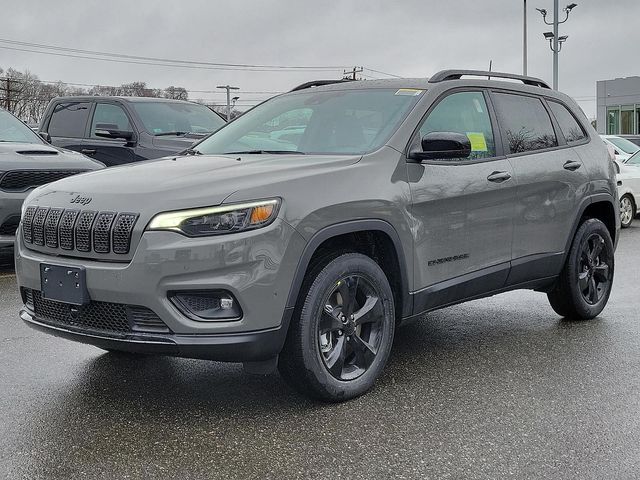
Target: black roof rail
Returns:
[445, 75]
[319, 83]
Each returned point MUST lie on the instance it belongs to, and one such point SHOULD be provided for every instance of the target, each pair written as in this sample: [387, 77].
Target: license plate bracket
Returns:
[64, 284]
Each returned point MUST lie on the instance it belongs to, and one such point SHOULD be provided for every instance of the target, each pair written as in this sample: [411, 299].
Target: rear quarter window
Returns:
[570, 127]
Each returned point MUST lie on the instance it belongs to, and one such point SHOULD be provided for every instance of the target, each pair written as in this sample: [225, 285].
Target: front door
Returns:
[110, 151]
[463, 208]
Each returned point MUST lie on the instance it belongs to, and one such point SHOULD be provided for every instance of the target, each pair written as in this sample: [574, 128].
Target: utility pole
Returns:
[228, 88]
[351, 74]
[8, 94]
[555, 40]
[524, 39]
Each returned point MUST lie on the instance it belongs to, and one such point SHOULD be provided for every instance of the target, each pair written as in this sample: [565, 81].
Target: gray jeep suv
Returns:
[304, 248]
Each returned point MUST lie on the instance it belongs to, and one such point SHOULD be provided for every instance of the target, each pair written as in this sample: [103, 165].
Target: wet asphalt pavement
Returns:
[496, 388]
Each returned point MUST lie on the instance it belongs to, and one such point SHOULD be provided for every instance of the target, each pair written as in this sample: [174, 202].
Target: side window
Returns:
[465, 113]
[109, 114]
[69, 120]
[526, 123]
[570, 127]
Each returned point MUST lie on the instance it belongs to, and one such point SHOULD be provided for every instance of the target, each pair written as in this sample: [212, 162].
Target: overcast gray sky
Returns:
[403, 37]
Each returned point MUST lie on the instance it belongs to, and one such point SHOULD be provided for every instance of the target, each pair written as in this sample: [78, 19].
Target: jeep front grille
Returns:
[104, 317]
[83, 231]
[21, 180]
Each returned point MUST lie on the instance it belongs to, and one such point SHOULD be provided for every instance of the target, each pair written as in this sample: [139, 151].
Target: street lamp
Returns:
[555, 41]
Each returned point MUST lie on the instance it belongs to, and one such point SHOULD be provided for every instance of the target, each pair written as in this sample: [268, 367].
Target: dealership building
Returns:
[618, 104]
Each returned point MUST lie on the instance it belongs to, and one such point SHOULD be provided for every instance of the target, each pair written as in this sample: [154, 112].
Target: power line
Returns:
[144, 60]
[383, 73]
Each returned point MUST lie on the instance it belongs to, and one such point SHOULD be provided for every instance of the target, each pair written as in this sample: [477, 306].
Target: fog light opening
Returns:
[207, 304]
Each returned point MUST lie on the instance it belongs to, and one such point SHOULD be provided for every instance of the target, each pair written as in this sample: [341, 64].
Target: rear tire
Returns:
[342, 331]
[627, 210]
[585, 282]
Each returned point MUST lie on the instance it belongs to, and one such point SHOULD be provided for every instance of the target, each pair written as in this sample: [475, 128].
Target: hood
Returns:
[29, 156]
[181, 182]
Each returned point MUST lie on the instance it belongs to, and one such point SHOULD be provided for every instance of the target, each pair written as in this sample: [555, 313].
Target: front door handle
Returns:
[499, 177]
[571, 165]
[88, 151]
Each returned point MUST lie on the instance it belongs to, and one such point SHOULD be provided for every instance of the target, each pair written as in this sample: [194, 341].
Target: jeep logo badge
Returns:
[82, 200]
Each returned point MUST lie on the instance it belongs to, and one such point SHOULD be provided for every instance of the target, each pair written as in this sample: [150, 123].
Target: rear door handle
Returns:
[571, 165]
[499, 177]
[88, 151]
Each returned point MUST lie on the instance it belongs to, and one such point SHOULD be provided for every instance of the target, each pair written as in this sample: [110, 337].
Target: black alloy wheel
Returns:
[350, 327]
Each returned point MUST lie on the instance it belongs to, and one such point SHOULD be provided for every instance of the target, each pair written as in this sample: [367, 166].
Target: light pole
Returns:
[228, 88]
[524, 39]
[555, 41]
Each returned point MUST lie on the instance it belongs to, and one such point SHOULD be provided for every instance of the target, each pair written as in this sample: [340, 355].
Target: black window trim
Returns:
[497, 133]
[560, 138]
[117, 103]
[587, 137]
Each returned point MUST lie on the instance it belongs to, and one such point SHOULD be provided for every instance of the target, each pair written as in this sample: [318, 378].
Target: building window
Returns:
[626, 120]
[613, 120]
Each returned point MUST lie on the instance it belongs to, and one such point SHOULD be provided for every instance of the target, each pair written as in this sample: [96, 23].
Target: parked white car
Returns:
[629, 188]
[623, 148]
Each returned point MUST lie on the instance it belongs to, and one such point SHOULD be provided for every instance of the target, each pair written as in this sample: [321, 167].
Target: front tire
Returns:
[341, 334]
[585, 282]
[627, 210]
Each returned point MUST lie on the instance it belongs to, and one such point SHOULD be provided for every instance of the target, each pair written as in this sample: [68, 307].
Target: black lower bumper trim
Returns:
[237, 347]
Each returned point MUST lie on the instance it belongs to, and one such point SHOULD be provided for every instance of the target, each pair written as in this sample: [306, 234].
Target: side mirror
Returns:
[442, 146]
[108, 130]
[45, 136]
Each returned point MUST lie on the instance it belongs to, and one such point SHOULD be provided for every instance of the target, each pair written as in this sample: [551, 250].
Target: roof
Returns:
[86, 98]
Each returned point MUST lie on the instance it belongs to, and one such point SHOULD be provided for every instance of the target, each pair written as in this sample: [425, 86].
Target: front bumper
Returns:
[257, 267]
[10, 205]
[243, 347]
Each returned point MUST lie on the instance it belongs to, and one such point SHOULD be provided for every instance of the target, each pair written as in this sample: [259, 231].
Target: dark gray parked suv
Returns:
[301, 234]
[27, 162]
[118, 130]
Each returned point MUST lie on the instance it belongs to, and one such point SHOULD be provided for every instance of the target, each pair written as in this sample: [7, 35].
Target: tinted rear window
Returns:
[570, 127]
[525, 122]
[69, 120]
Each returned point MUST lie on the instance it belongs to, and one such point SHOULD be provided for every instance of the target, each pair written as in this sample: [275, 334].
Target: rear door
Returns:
[110, 151]
[550, 178]
[68, 124]
[463, 208]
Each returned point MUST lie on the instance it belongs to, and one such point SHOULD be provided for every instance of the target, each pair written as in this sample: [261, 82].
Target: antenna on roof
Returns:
[490, 65]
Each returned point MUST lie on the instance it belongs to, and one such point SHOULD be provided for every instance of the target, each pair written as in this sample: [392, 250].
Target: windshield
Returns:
[161, 118]
[634, 159]
[623, 144]
[13, 130]
[330, 122]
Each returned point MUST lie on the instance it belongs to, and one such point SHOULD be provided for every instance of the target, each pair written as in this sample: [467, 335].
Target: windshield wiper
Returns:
[192, 151]
[177, 134]
[265, 152]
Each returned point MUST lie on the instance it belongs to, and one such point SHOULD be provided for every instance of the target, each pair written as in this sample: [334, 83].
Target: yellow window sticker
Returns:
[478, 143]
[409, 91]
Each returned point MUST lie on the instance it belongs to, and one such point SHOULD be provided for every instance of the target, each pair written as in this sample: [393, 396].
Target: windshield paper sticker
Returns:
[478, 143]
[409, 91]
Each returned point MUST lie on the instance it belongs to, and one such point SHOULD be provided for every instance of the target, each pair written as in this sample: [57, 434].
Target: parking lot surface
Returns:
[496, 388]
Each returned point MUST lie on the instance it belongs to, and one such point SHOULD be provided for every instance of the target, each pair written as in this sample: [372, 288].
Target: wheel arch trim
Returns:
[353, 226]
[586, 202]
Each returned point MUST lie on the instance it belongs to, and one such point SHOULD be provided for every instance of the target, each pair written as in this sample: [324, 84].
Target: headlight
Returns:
[201, 222]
